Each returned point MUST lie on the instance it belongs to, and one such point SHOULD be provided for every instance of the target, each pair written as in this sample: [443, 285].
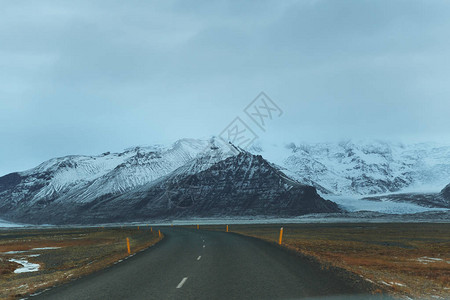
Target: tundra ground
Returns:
[63, 254]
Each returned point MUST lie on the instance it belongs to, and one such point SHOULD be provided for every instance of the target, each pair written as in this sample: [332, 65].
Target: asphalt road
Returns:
[197, 264]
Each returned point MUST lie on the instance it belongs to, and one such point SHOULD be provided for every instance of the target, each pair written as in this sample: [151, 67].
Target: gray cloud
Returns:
[90, 76]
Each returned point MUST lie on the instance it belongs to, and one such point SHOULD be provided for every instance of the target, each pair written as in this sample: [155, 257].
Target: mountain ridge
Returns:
[80, 180]
[363, 168]
[239, 185]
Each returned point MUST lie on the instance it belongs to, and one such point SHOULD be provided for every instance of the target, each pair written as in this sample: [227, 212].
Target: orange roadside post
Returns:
[128, 246]
[227, 228]
[197, 226]
[281, 236]
[159, 233]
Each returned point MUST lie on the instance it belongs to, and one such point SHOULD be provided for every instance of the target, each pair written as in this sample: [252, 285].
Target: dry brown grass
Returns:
[405, 259]
[82, 251]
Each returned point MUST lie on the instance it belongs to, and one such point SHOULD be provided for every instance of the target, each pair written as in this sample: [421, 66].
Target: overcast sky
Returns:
[85, 77]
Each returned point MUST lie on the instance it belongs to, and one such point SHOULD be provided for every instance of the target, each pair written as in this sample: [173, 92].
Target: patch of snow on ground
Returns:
[14, 252]
[45, 248]
[425, 259]
[397, 283]
[34, 249]
[385, 283]
[26, 266]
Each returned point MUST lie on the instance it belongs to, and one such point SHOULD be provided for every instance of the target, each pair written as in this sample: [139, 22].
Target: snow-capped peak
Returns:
[362, 168]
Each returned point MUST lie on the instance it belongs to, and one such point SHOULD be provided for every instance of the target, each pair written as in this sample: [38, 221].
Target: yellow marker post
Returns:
[138, 227]
[159, 233]
[281, 236]
[197, 226]
[227, 228]
[128, 246]
[151, 229]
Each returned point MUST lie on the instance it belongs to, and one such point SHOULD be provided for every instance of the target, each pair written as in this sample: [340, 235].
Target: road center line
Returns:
[198, 258]
[180, 285]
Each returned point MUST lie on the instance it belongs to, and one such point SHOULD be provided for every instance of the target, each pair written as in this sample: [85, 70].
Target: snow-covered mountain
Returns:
[82, 178]
[215, 183]
[92, 188]
[363, 168]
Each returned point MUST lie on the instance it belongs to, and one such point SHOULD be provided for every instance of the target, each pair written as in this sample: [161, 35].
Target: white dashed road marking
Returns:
[180, 285]
[198, 258]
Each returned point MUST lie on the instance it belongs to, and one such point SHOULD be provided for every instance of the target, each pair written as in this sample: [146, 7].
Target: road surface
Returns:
[197, 264]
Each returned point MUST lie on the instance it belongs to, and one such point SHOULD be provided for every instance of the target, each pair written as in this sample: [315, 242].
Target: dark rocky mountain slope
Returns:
[445, 193]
